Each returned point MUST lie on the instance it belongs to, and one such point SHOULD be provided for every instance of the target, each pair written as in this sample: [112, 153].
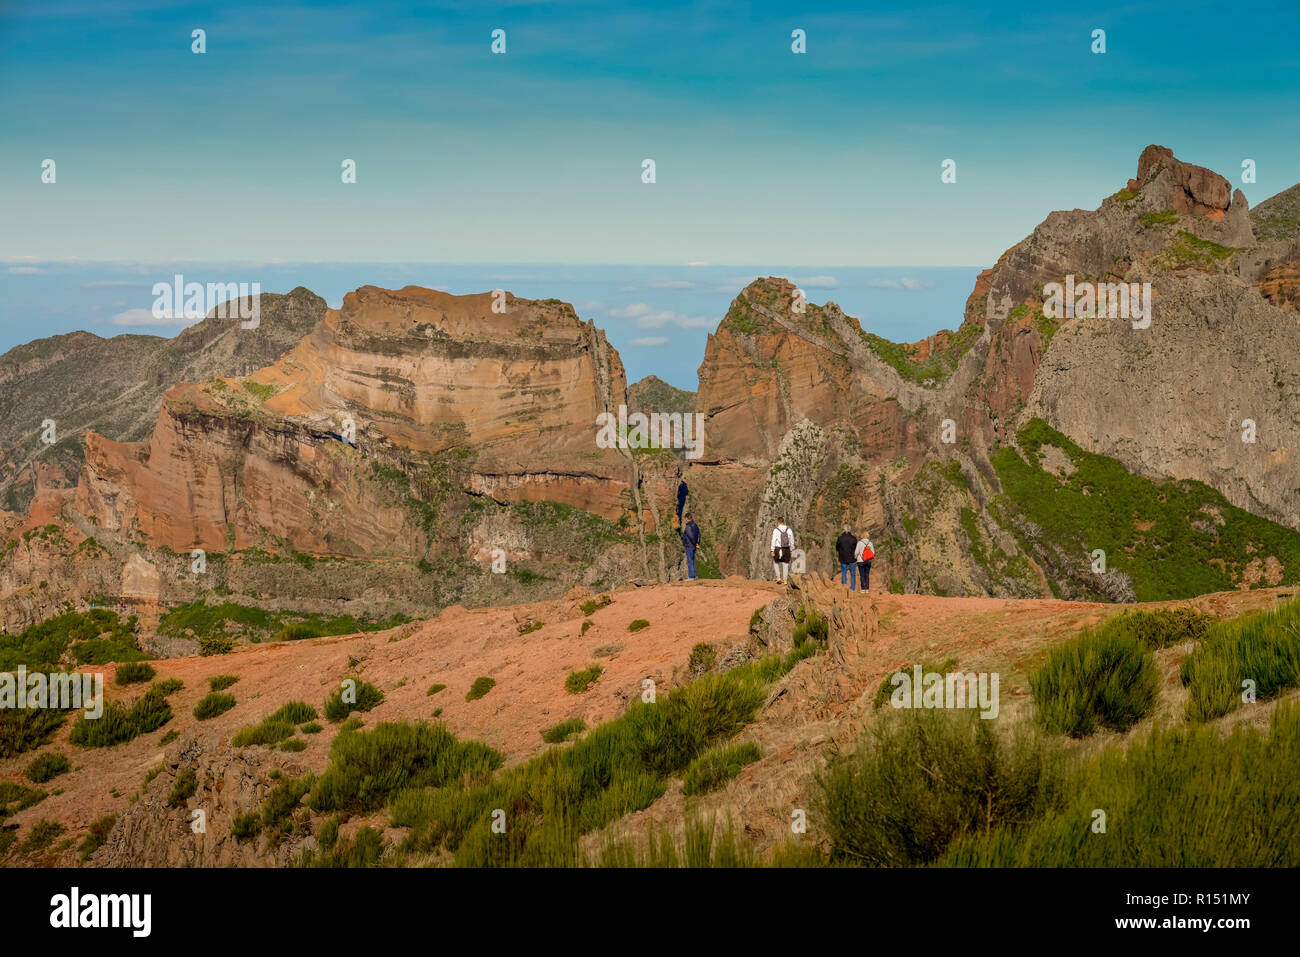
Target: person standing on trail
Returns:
[863, 554]
[782, 548]
[682, 492]
[845, 547]
[691, 540]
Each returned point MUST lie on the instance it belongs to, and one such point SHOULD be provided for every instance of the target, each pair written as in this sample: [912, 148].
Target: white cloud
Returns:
[649, 318]
[698, 262]
[901, 283]
[145, 317]
[651, 341]
[819, 282]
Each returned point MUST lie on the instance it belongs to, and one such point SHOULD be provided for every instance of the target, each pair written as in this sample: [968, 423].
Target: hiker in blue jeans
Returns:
[844, 547]
[691, 541]
[864, 553]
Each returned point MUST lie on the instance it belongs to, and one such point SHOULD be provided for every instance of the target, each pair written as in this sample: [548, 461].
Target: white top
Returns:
[863, 545]
[776, 536]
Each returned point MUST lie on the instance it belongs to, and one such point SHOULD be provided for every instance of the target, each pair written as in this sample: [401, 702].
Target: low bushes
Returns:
[922, 779]
[715, 767]
[1102, 679]
[354, 695]
[133, 672]
[213, 704]
[1263, 648]
[579, 681]
[564, 730]
[120, 723]
[367, 767]
[480, 687]
[46, 766]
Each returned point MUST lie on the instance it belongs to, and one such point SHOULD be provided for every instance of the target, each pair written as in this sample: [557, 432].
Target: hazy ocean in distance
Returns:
[658, 317]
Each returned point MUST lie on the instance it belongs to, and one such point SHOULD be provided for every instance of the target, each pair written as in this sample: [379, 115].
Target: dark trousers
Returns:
[864, 575]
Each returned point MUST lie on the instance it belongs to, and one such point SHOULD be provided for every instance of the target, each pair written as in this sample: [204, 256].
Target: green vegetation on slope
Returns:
[1174, 539]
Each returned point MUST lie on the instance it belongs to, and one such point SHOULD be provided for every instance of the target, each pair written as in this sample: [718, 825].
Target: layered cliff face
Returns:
[392, 403]
[811, 417]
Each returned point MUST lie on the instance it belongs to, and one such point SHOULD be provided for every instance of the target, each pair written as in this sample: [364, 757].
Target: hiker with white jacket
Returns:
[863, 555]
[782, 549]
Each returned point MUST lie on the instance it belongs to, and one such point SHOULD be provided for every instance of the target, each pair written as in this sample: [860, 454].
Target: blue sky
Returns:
[764, 158]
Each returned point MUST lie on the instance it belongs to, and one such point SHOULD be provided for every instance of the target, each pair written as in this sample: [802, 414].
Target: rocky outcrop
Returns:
[391, 399]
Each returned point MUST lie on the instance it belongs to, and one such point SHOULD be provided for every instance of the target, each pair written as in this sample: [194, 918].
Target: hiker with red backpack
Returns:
[782, 548]
[863, 554]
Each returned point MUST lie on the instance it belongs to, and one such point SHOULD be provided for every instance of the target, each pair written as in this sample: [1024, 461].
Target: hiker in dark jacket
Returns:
[682, 492]
[690, 539]
[844, 547]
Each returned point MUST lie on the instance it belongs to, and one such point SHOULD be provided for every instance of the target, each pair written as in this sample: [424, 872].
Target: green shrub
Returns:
[638, 624]
[480, 687]
[1162, 627]
[268, 732]
[294, 744]
[579, 681]
[168, 738]
[96, 835]
[715, 767]
[311, 727]
[435, 688]
[703, 657]
[246, 825]
[592, 605]
[923, 778]
[365, 849]
[26, 729]
[367, 697]
[169, 686]
[1263, 648]
[529, 627]
[809, 623]
[703, 845]
[221, 682]
[17, 797]
[583, 630]
[217, 644]
[367, 767]
[96, 637]
[213, 704]
[119, 724]
[1101, 679]
[183, 788]
[295, 712]
[40, 836]
[1179, 798]
[46, 766]
[133, 672]
[565, 730]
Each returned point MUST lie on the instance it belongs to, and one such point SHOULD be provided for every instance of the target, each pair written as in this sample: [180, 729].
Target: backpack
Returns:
[867, 553]
[783, 549]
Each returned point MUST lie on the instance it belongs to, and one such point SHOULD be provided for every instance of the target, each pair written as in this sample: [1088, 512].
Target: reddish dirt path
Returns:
[453, 649]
